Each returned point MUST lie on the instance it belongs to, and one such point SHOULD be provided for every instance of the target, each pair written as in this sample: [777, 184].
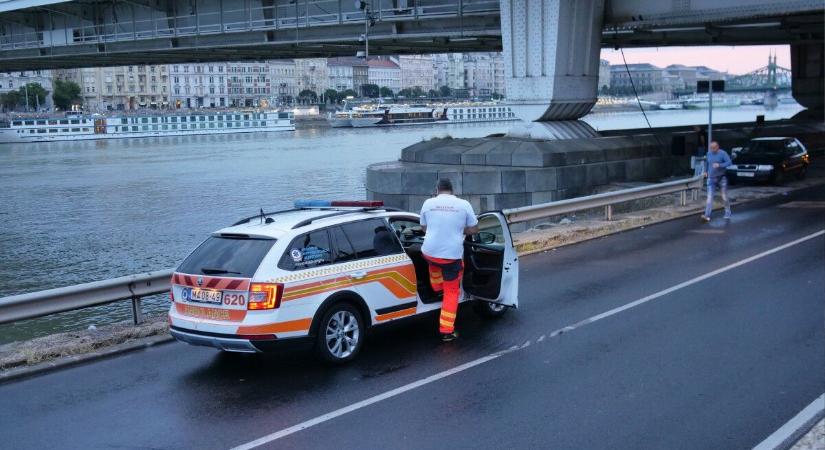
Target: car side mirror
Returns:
[484, 237]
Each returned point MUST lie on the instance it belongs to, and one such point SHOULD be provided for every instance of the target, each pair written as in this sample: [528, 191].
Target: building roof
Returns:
[635, 67]
[382, 63]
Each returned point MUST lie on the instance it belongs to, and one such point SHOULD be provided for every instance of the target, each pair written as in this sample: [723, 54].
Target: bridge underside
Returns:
[119, 32]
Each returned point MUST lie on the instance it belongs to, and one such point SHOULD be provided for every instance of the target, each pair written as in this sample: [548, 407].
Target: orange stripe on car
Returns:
[396, 314]
[400, 281]
[279, 327]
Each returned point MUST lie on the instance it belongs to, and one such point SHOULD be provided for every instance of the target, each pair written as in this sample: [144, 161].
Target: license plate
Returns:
[745, 174]
[202, 295]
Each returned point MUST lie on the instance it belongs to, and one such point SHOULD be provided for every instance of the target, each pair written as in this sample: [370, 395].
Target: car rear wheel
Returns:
[340, 334]
[489, 310]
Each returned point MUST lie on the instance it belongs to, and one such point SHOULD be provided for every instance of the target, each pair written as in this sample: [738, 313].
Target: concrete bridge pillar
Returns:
[551, 57]
[808, 76]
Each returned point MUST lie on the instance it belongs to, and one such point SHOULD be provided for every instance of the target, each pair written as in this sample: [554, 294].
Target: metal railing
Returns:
[296, 15]
[51, 301]
[135, 287]
[608, 199]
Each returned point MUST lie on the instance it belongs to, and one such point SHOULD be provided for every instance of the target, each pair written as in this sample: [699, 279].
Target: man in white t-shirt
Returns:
[446, 219]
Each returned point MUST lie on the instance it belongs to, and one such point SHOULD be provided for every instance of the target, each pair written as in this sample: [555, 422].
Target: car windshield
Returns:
[225, 256]
[765, 147]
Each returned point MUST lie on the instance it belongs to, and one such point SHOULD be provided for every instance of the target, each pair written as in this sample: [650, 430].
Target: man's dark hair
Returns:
[444, 185]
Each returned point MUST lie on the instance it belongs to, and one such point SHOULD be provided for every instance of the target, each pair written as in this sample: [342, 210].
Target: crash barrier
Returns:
[135, 287]
[608, 199]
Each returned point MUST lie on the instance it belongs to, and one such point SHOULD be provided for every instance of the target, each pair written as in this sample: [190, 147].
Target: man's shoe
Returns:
[727, 215]
[705, 219]
[449, 337]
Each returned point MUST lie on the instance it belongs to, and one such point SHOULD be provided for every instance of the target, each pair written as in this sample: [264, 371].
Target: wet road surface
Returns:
[720, 362]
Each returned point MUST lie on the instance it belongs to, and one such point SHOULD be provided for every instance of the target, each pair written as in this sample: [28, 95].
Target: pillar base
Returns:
[554, 130]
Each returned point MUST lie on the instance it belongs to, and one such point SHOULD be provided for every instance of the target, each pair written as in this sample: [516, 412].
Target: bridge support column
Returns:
[551, 59]
[808, 76]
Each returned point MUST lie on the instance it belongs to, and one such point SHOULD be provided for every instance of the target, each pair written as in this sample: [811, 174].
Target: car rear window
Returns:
[225, 256]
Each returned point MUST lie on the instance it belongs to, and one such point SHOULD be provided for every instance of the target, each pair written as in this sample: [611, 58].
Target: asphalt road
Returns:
[720, 362]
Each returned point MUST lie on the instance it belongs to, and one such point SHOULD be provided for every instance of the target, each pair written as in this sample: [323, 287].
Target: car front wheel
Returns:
[340, 334]
[489, 310]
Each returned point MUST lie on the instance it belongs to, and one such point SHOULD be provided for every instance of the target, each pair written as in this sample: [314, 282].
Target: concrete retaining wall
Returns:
[506, 172]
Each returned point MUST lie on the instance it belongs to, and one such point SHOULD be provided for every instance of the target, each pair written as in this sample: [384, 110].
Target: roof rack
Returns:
[265, 214]
[306, 222]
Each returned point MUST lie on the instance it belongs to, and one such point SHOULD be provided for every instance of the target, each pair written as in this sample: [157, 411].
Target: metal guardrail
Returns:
[51, 301]
[134, 287]
[608, 199]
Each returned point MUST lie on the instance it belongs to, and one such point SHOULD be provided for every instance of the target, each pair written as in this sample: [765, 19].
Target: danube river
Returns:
[75, 212]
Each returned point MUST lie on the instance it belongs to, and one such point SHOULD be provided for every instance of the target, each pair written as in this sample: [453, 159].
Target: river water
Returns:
[74, 212]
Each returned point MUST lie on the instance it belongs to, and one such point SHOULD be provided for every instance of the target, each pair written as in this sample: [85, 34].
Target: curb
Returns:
[74, 360]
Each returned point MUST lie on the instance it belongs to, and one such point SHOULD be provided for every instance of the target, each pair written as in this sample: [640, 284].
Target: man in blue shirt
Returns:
[715, 166]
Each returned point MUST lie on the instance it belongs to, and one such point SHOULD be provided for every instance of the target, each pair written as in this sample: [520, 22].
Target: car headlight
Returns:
[764, 168]
[732, 167]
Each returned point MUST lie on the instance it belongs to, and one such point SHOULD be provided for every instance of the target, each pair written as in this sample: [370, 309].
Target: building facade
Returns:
[384, 73]
[13, 81]
[201, 85]
[643, 77]
[417, 71]
[347, 73]
[604, 75]
[312, 74]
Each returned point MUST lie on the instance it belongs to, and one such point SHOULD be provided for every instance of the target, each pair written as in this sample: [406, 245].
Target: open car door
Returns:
[491, 262]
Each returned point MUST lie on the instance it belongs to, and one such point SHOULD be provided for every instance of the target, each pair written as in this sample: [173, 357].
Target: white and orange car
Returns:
[323, 273]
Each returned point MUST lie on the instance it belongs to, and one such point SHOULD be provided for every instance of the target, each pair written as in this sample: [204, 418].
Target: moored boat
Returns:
[78, 127]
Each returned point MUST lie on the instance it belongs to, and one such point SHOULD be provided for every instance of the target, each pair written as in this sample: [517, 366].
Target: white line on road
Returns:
[432, 378]
[789, 429]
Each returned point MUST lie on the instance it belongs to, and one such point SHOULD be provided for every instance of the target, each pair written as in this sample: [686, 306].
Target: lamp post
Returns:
[369, 20]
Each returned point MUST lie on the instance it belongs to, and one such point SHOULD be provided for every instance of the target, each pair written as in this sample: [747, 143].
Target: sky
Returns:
[735, 60]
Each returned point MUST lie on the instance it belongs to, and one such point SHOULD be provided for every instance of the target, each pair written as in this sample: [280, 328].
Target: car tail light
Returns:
[265, 296]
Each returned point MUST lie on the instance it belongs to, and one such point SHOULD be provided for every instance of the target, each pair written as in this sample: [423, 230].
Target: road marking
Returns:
[803, 204]
[781, 435]
[440, 375]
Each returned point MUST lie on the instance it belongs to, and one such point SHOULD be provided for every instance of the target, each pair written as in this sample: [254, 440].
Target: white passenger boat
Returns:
[391, 115]
[704, 103]
[74, 127]
[670, 106]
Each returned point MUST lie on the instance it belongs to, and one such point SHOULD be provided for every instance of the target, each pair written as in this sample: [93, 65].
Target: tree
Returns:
[406, 93]
[36, 95]
[496, 96]
[347, 93]
[331, 96]
[417, 91]
[66, 93]
[386, 92]
[10, 100]
[432, 93]
[445, 91]
[308, 96]
[370, 90]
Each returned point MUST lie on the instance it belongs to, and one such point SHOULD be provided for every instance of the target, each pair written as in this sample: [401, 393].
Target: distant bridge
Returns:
[40, 34]
[770, 77]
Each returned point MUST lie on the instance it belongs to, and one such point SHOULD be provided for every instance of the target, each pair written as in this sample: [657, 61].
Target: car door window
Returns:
[371, 238]
[408, 231]
[490, 232]
[307, 251]
[343, 247]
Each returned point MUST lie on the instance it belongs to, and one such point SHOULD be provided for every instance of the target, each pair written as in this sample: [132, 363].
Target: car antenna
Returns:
[262, 215]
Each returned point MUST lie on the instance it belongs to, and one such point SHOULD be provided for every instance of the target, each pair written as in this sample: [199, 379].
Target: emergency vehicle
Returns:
[323, 273]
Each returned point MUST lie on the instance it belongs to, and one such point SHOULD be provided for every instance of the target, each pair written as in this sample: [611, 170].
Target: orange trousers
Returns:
[445, 276]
